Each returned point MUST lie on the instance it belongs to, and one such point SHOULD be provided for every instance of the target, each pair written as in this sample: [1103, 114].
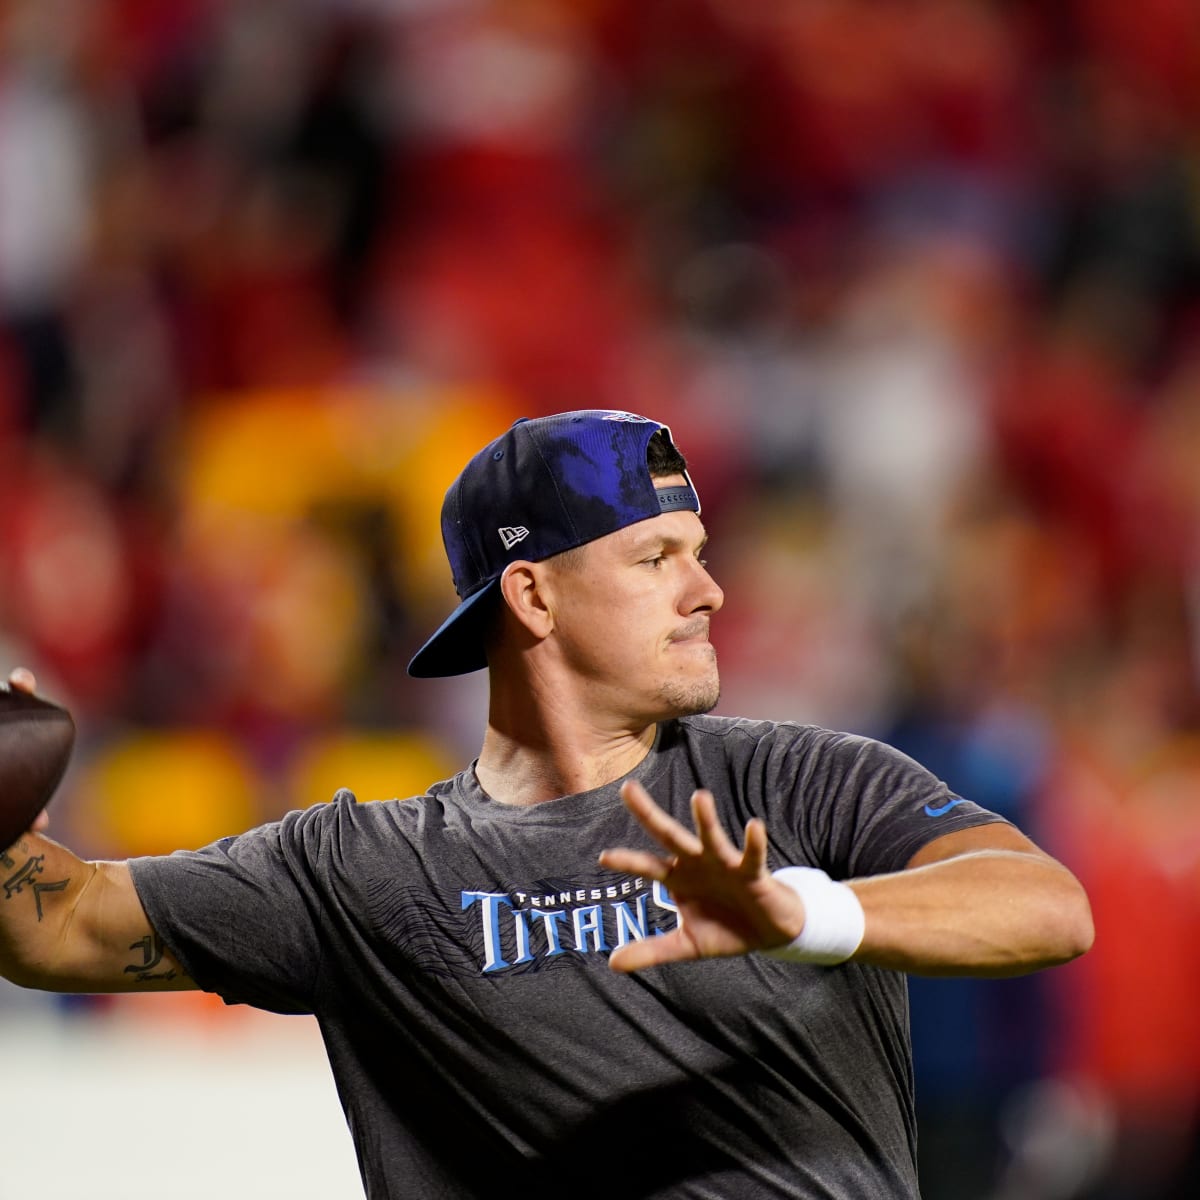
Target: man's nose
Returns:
[704, 595]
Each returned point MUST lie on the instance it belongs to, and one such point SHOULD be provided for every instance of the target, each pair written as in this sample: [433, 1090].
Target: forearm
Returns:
[987, 913]
[41, 884]
[67, 925]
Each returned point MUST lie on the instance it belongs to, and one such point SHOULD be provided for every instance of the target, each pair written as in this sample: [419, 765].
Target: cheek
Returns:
[610, 626]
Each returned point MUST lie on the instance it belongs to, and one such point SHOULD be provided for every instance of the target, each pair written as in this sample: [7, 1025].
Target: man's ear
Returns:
[523, 587]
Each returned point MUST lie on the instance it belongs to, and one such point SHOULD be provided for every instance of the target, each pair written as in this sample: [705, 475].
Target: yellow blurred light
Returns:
[374, 766]
[151, 793]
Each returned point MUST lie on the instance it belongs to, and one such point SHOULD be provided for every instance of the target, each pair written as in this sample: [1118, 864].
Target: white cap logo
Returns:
[510, 535]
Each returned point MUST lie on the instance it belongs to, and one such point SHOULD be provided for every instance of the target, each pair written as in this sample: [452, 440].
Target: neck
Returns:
[537, 752]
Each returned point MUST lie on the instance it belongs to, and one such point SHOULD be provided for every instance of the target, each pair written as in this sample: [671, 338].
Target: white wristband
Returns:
[833, 918]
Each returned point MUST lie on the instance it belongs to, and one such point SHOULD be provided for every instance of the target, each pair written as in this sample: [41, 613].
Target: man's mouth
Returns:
[694, 631]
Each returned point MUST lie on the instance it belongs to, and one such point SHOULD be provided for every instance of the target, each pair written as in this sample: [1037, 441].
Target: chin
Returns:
[690, 698]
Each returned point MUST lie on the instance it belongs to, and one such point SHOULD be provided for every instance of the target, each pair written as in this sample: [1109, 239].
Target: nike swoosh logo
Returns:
[944, 809]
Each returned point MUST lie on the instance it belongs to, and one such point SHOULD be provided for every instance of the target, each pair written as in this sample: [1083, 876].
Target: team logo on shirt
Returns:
[531, 927]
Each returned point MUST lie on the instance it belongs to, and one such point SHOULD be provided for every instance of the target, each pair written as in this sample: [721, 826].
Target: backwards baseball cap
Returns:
[547, 485]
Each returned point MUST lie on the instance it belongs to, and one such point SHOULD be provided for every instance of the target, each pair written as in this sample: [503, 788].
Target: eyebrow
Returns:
[666, 543]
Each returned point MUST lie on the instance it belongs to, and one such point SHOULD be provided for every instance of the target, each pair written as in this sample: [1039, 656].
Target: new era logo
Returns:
[510, 535]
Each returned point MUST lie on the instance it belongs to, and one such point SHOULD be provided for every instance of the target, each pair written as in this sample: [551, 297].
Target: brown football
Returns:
[36, 740]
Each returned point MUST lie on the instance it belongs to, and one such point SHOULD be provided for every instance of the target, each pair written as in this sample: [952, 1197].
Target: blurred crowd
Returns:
[915, 282]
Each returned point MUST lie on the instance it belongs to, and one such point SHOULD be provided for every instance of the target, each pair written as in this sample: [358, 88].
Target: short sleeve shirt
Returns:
[454, 951]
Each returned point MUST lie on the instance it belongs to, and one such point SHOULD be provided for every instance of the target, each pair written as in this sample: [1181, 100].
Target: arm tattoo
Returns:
[16, 883]
[152, 949]
[20, 846]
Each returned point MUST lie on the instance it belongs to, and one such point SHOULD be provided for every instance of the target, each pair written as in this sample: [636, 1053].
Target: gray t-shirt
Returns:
[454, 951]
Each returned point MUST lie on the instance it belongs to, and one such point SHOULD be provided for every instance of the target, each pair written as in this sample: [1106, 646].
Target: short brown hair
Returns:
[662, 457]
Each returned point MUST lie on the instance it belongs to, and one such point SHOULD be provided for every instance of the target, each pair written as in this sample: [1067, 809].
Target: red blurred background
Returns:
[915, 284]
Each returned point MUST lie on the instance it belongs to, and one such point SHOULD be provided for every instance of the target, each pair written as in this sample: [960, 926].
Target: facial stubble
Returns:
[691, 697]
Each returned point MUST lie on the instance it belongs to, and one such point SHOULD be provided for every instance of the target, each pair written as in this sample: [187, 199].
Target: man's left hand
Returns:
[728, 902]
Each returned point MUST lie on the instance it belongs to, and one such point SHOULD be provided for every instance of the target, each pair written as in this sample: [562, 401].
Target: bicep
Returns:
[109, 945]
[997, 835]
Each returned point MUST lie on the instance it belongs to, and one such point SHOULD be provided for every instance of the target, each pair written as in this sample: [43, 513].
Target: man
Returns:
[501, 968]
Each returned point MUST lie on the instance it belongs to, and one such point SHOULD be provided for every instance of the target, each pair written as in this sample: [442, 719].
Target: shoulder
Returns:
[741, 734]
[807, 754]
[346, 815]
[328, 830]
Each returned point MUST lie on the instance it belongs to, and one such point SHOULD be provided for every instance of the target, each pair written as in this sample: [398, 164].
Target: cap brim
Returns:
[457, 648]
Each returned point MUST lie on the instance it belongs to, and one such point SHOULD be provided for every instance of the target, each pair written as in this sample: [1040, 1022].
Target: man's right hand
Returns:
[67, 925]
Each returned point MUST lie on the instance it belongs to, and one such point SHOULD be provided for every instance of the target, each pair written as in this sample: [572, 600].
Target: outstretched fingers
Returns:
[710, 845]
[675, 838]
[658, 823]
[718, 888]
[754, 852]
[652, 952]
[637, 862]
[750, 861]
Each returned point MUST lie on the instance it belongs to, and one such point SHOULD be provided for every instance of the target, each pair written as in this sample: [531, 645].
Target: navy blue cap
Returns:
[547, 485]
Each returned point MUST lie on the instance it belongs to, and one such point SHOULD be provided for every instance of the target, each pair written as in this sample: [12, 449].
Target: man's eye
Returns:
[656, 561]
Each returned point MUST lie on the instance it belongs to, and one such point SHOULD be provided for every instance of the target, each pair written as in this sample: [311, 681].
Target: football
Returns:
[36, 740]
